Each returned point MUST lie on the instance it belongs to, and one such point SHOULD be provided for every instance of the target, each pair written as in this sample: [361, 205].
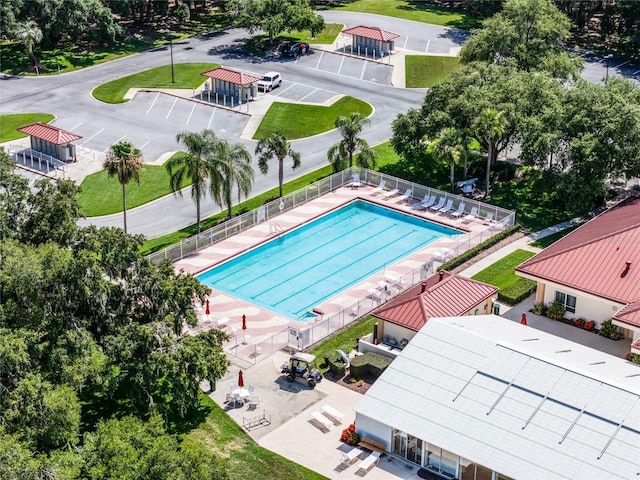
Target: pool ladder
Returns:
[275, 229]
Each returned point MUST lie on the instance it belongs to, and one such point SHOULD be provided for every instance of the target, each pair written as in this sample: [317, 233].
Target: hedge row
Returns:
[335, 363]
[369, 363]
[472, 252]
[517, 292]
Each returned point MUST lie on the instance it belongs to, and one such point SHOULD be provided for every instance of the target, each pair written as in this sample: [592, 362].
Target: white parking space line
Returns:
[211, 117]
[314, 91]
[319, 60]
[173, 105]
[405, 42]
[285, 90]
[364, 69]
[190, 114]
[427, 49]
[142, 147]
[341, 62]
[72, 129]
[153, 103]
[623, 63]
[93, 136]
[636, 72]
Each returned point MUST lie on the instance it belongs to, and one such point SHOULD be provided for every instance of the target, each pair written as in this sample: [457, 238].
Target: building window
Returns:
[568, 301]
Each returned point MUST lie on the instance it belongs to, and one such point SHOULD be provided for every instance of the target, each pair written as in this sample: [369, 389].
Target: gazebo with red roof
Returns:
[371, 39]
[238, 85]
[51, 140]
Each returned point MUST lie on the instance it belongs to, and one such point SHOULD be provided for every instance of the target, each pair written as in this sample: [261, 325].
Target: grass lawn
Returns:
[414, 10]
[9, 124]
[247, 459]
[70, 56]
[187, 75]
[102, 195]
[346, 340]
[299, 121]
[386, 155]
[502, 273]
[426, 71]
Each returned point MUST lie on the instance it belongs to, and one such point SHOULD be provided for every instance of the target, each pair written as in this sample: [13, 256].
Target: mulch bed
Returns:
[356, 385]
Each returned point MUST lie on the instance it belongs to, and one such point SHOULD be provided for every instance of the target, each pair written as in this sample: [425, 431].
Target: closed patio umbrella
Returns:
[240, 379]
[207, 309]
[244, 322]
[523, 321]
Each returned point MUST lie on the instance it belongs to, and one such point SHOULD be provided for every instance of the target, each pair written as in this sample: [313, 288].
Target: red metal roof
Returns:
[629, 314]
[49, 133]
[593, 258]
[233, 76]
[449, 297]
[375, 33]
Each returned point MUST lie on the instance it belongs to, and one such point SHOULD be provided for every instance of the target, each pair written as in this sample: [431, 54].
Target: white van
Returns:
[269, 81]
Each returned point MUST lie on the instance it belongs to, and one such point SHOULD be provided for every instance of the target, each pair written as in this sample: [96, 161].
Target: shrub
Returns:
[539, 309]
[472, 252]
[580, 322]
[369, 363]
[556, 310]
[335, 364]
[632, 357]
[517, 292]
[349, 435]
[609, 330]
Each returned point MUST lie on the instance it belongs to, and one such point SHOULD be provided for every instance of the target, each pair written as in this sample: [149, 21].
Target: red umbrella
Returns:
[240, 379]
[207, 310]
[524, 319]
[244, 322]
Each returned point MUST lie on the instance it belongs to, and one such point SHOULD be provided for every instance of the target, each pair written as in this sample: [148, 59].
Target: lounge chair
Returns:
[379, 188]
[350, 457]
[438, 205]
[447, 208]
[320, 421]
[472, 214]
[356, 181]
[459, 212]
[390, 193]
[426, 202]
[489, 217]
[368, 463]
[407, 194]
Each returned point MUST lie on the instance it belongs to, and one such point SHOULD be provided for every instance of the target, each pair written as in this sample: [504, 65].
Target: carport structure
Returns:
[238, 85]
[371, 39]
[51, 141]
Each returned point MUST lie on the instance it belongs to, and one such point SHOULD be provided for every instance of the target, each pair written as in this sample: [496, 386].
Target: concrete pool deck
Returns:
[261, 323]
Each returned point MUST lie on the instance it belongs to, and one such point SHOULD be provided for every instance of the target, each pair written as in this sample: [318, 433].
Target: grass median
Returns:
[186, 75]
[422, 71]
[295, 120]
[10, 123]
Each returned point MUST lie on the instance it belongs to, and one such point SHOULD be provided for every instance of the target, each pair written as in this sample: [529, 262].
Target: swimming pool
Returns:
[295, 272]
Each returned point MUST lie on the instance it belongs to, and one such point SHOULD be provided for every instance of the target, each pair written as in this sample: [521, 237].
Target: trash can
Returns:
[496, 308]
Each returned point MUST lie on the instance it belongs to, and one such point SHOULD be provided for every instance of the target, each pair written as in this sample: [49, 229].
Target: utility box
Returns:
[496, 308]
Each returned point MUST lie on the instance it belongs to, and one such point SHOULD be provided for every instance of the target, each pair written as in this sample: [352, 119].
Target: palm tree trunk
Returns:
[198, 212]
[453, 173]
[350, 159]
[489, 155]
[124, 206]
[281, 174]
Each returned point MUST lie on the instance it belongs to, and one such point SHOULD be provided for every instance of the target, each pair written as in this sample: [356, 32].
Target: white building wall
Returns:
[397, 332]
[587, 306]
[371, 428]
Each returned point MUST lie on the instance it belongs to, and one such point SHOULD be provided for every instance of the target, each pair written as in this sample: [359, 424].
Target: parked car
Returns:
[294, 49]
[269, 81]
[302, 368]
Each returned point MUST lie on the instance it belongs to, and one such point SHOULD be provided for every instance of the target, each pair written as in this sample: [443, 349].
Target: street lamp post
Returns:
[606, 75]
[173, 78]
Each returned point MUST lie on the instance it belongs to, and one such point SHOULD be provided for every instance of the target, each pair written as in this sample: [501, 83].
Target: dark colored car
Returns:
[294, 49]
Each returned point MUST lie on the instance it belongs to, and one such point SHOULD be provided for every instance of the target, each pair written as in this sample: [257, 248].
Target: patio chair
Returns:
[390, 193]
[459, 212]
[368, 463]
[254, 402]
[438, 205]
[379, 188]
[447, 208]
[472, 214]
[407, 194]
[356, 181]
[427, 201]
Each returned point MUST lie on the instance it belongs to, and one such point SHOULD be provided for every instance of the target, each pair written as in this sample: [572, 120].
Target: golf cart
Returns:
[302, 368]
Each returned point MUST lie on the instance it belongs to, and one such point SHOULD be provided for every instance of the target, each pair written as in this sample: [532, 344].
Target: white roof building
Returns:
[477, 398]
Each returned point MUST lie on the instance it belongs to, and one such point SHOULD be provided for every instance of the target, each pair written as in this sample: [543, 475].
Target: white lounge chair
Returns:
[379, 188]
[407, 194]
[447, 208]
[320, 421]
[332, 414]
[472, 214]
[489, 217]
[426, 202]
[459, 212]
[390, 193]
[356, 181]
[438, 205]
[368, 463]
[350, 457]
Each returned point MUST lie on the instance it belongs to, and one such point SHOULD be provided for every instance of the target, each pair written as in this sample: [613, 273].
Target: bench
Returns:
[372, 444]
[332, 414]
[320, 421]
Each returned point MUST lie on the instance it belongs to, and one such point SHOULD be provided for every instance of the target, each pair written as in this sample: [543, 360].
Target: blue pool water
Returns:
[293, 273]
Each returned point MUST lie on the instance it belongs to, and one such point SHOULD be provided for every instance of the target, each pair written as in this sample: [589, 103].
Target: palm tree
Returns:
[193, 165]
[124, 161]
[277, 146]
[488, 128]
[343, 151]
[28, 33]
[229, 165]
[448, 146]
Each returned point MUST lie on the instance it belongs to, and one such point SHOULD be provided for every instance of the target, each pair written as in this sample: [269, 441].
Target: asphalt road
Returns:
[151, 121]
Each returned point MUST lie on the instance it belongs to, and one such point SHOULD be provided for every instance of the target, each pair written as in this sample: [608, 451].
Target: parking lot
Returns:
[348, 66]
